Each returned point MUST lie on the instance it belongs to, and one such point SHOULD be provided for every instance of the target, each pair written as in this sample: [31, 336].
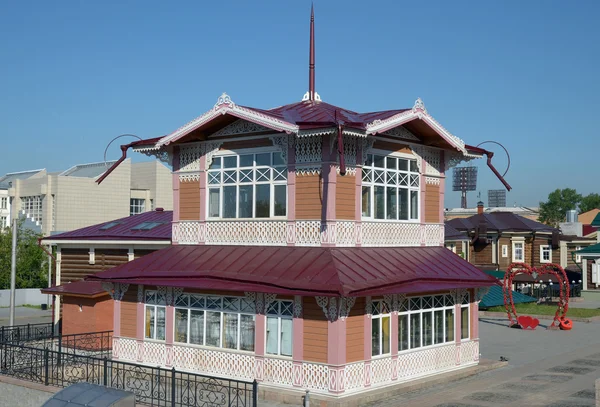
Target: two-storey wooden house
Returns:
[308, 251]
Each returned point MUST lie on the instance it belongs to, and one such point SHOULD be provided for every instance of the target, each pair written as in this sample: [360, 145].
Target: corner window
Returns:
[380, 329]
[247, 186]
[518, 251]
[280, 328]
[136, 206]
[545, 254]
[390, 188]
[155, 312]
[425, 321]
[465, 314]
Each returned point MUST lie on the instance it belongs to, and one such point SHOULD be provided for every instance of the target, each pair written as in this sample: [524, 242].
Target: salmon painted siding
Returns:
[308, 197]
[355, 332]
[315, 332]
[345, 197]
[432, 204]
[189, 200]
[129, 313]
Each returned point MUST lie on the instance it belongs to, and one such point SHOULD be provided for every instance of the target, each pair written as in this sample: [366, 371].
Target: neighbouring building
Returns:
[84, 306]
[590, 263]
[532, 213]
[456, 241]
[6, 183]
[308, 252]
[63, 201]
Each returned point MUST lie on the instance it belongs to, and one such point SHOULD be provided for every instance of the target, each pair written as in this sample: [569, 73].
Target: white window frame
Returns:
[137, 206]
[156, 301]
[504, 250]
[451, 247]
[369, 171]
[578, 256]
[3, 222]
[4, 204]
[545, 248]
[522, 243]
[275, 171]
[271, 313]
[379, 311]
[465, 303]
[33, 206]
[435, 300]
[239, 305]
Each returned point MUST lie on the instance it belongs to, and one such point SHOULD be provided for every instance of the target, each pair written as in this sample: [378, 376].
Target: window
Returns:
[465, 322]
[425, 321]
[380, 328]
[390, 188]
[152, 204]
[451, 247]
[577, 256]
[155, 316]
[504, 250]
[545, 254]
[4, 203]
[136, 206]
[3, 222]
[279, 328]
[32, 205]
[222, 322]
[247, 186]
[518, 251]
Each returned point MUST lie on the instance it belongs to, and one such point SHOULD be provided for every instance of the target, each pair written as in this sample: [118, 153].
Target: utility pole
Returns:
[13, 273]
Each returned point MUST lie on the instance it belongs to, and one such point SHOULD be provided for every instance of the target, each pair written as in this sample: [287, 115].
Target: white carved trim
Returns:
[346, 304]
[367, 145]
[115, 290]
[282, 142]
[189, 177]
[240, 127]
[210, 148]
[140, 293]
[481, 292]
[316, 132]
[432, 181]
[308, 169]
[307, 96]
[401, 132]
[369, 307]
[297, 306]
[189, 157]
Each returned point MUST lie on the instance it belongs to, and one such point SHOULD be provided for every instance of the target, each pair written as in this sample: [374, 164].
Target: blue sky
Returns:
[76, 74]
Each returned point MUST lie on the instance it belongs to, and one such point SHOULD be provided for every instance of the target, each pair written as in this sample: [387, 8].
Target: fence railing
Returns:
[151, 385]
[26, 333]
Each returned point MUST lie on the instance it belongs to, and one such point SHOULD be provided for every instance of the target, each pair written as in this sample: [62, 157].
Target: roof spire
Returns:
[311, 62]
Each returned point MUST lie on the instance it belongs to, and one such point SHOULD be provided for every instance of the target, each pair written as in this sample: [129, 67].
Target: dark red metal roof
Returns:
[123, 229]
[500, 221]
[77, 288]
[302, 270]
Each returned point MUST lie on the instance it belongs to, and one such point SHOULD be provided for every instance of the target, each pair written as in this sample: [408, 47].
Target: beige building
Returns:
[72, 199]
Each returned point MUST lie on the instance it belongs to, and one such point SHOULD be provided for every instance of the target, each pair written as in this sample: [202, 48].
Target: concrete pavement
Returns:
[25, 315]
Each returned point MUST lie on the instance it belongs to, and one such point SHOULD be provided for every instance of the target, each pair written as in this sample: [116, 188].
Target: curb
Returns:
[545, 317]
[28, 385]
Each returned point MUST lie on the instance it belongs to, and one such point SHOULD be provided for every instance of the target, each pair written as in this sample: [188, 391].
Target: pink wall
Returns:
[175, 184]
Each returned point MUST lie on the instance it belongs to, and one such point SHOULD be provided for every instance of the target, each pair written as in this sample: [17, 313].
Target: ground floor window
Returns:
[380, 328]
[465, 316]
[155, 313]
[280, 328]
[425, 321]
[223, 322]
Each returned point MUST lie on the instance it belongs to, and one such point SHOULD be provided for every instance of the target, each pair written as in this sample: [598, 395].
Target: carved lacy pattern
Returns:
[263, 233]
[482, 292]
[432, 181]
[210, 148]
[189, 157]
[161, 155]
[367, 145]
[282, 143]
[239, 127]
[308, 233]
[345, 234]
[155, 353]
[316, 377]
[263, 300]
[115, 290]
[425, 362]
[354, 376]
[297, 306]
[213, 362]
[332, 308]
[390, 234]
[127, 349]
[308, 150]
[278, 371]
[381, 370]
[188, 232]
[432, 159]
[140, 293]
[434, 234]
[189, 177]
[469, 352]
[401, 132]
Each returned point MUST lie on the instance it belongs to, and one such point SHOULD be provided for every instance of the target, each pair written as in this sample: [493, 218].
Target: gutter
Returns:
[113, 167]
[489, 155]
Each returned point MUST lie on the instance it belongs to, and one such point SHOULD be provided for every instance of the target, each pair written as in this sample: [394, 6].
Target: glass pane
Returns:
[286, 337]
[414, 204]
[402, 164]
[415, 331]
[213, 302]
[287, 308]
[403, 198]
[277, 159]
[263, 201]
[230, 162]
[214, 177]
[280, 200]
[247, 160]
[375, 336]
[272, 334]
[197, 327]
[245, 201]
[369, 161]
[216, 163]
[181, 325]
[230, 330]
[438, 318]
[464, 323]
[391, 163]
[247, 327]
[379, 202]
[427, 328]
[213, 202]
[385, 335]
[183, 300]
[392, 208]
[366, 201]
[231, 303]
[229, 204]
[415, 303]
[449, 325]
[150, 322]
[403, 332]
[263, 159]
[379, 161]
[160, 323]
[413, 166]
[213, 328]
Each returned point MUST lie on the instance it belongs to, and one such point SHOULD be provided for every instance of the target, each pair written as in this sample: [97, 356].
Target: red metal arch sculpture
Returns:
[552, 269]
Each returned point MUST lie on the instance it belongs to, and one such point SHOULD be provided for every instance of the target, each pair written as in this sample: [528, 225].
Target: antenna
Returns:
[464, 179]
[311, 61]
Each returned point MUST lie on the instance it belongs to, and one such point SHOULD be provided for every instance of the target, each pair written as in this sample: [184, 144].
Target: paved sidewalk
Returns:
[25, 315]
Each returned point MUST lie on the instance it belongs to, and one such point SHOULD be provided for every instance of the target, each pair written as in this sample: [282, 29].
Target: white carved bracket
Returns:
[263, 300]
[116, 290]
[170, 294]
[482, 292]
[336, 307]
[140, 293]
[282, 143]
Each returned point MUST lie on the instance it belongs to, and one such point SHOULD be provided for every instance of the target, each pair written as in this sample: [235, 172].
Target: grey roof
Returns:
[451, 233]
[92, 170]
[13, 176]
[500, 222]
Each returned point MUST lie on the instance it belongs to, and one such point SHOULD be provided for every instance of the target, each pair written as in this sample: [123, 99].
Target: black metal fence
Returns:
[26, 333]
[70, 359]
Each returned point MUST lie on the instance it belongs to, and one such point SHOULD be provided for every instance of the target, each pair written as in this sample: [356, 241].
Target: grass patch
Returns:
[32, 306]
[541, 309]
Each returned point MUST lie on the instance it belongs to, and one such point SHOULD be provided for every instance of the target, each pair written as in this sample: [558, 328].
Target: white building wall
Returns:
[4, 208]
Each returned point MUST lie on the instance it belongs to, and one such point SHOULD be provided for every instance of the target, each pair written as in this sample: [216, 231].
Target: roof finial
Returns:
[311, 62]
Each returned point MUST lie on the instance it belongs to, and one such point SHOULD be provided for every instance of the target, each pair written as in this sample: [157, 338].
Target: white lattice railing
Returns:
[278, 371]
[215, 362]
[469, 352]
[308, 233]
[425, 362]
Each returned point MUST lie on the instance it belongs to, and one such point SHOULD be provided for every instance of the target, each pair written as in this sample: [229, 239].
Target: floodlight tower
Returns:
[496, 198]
[464, 179]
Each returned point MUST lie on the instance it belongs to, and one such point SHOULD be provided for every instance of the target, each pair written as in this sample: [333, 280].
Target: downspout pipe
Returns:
[113, 167]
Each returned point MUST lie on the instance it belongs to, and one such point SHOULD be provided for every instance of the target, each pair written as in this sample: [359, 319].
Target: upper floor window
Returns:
[136, 206]
[545, 254]
[518, 250]
[4, 203]
[247, 186]
[3, 222]
[32, 205]
[390, 188]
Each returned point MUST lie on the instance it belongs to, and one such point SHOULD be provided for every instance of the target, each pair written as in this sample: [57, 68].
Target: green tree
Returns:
[554, 210]
[31, 259]
[589, 202]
